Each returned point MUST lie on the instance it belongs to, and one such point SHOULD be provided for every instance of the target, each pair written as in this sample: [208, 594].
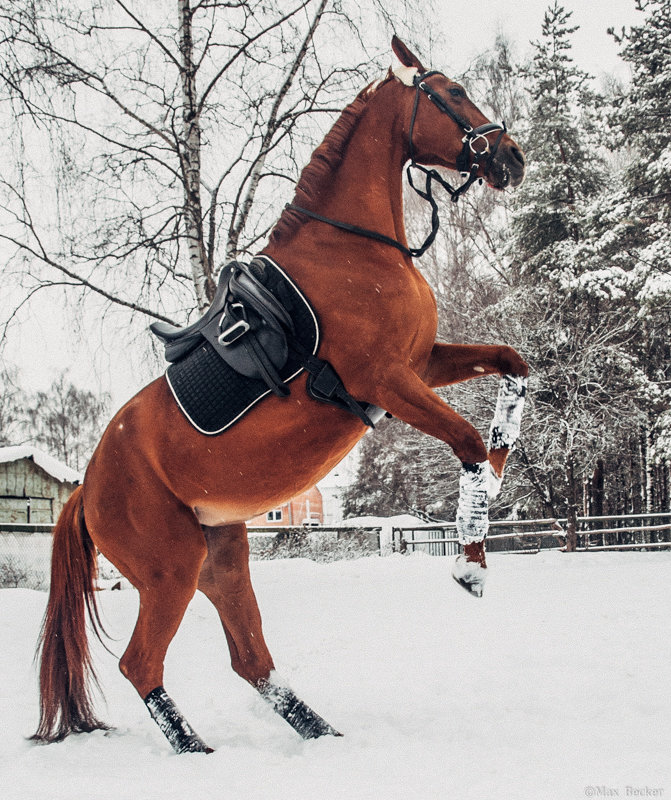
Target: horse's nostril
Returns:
[517, 154]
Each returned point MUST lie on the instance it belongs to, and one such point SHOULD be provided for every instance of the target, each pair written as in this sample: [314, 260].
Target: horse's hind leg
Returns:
[225, 579]
[166, 578]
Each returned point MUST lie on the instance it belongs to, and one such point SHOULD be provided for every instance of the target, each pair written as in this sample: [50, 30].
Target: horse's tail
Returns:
[66, 671]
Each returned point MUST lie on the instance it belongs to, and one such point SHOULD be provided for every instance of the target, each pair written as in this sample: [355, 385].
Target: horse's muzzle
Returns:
[508, 167]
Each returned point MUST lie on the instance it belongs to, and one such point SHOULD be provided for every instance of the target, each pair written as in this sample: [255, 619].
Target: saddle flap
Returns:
[242, 339]
[245, 324]
[247, 289]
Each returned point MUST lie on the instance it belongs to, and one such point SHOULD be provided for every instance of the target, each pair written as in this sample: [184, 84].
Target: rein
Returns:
[473, 140]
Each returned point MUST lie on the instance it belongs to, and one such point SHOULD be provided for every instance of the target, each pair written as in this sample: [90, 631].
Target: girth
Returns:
[262, 328]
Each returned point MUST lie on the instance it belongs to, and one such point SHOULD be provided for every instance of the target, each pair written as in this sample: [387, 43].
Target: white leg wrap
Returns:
[505, 427]
[493, 482]
[479, 482]
[473, 506]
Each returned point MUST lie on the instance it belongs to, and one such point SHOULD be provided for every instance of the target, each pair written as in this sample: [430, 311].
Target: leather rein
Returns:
[475, 147]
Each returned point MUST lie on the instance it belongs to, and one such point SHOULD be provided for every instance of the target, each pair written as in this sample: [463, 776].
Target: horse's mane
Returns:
[325, 159]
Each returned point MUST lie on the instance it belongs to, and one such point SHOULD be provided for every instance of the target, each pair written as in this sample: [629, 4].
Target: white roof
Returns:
[57, 469]
[400, 521]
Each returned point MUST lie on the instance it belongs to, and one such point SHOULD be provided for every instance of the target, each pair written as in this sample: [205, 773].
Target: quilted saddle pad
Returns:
[211, 394]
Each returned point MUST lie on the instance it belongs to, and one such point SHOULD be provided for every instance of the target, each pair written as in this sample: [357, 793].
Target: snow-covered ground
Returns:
[555, 685]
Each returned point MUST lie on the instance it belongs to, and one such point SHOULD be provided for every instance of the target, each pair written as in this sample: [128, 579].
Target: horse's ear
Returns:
[405, 56]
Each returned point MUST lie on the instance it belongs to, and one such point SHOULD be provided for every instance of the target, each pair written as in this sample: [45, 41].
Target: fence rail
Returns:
[521, 536]
[25, 549]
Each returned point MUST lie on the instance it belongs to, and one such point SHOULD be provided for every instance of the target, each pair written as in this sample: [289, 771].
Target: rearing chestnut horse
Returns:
[167, 505]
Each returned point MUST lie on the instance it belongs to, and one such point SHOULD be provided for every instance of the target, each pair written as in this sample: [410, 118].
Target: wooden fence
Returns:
[622, 532]
[25, 549]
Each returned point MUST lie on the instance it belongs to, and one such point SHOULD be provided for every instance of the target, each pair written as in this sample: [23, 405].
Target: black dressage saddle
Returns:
[259, 333]
[246, 325]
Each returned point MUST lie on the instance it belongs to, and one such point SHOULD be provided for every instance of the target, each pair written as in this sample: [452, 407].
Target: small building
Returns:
[304, 509]
[334, 486]
[34, 486]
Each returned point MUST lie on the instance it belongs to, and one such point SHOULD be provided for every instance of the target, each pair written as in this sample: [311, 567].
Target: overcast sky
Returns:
[43, 351]
[471, 25]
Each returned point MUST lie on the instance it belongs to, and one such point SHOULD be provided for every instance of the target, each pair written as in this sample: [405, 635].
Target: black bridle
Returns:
[475, 147]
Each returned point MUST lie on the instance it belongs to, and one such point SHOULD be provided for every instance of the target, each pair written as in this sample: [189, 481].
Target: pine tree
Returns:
[562, 314]
[560, 141]
[636, 233]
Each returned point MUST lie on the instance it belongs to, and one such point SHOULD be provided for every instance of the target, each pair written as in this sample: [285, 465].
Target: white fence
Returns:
[25, 555]
[25, 550]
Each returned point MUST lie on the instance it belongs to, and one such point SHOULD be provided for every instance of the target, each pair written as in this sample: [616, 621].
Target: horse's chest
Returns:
[392, 317]
[408, 315]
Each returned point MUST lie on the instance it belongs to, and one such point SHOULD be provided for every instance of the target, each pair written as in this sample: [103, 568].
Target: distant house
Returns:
[33, 485]
[334, 486]
[304, 509]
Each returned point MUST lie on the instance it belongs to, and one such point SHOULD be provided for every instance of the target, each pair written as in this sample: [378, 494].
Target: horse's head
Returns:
[446, 129]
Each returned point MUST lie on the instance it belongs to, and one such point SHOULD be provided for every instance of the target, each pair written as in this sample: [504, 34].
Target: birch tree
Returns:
[146, 144]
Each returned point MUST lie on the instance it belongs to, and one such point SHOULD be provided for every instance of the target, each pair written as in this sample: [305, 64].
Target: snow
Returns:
[555, 681]
[57, 469]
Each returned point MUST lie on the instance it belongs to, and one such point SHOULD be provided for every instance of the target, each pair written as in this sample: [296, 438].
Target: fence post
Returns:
[386, 538]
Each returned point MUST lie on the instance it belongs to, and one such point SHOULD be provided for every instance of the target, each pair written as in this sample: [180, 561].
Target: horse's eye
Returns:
[457, 92]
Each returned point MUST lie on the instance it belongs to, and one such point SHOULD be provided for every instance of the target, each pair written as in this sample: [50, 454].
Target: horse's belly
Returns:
[150, 453]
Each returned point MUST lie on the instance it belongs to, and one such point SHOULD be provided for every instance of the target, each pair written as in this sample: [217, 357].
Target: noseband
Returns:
[475, 147]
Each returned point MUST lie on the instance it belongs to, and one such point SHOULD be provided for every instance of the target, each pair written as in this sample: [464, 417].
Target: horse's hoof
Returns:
[470, 575]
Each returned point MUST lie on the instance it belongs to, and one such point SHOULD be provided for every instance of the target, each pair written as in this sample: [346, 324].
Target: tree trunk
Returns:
[596, 509]
[256, 172]
[201, 269]
[649, 473]
[572, 509]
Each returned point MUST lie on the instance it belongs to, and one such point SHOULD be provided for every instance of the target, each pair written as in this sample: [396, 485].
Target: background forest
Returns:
[575, 275]
[169, 139]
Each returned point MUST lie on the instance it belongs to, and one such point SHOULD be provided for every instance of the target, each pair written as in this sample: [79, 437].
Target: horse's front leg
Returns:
[406, 396]
[453, 363]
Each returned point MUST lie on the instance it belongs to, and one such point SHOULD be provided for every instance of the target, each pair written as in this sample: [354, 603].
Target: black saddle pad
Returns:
[211, 394]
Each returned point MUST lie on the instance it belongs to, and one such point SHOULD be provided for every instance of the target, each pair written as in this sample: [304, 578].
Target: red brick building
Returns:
[304, 509]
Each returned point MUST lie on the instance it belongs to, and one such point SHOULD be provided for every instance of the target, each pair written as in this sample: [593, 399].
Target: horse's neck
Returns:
[366, 188]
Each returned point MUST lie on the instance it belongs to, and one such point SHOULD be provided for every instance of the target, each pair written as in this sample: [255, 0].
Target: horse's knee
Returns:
[469, 447]
[511, 362]
[227, 548]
